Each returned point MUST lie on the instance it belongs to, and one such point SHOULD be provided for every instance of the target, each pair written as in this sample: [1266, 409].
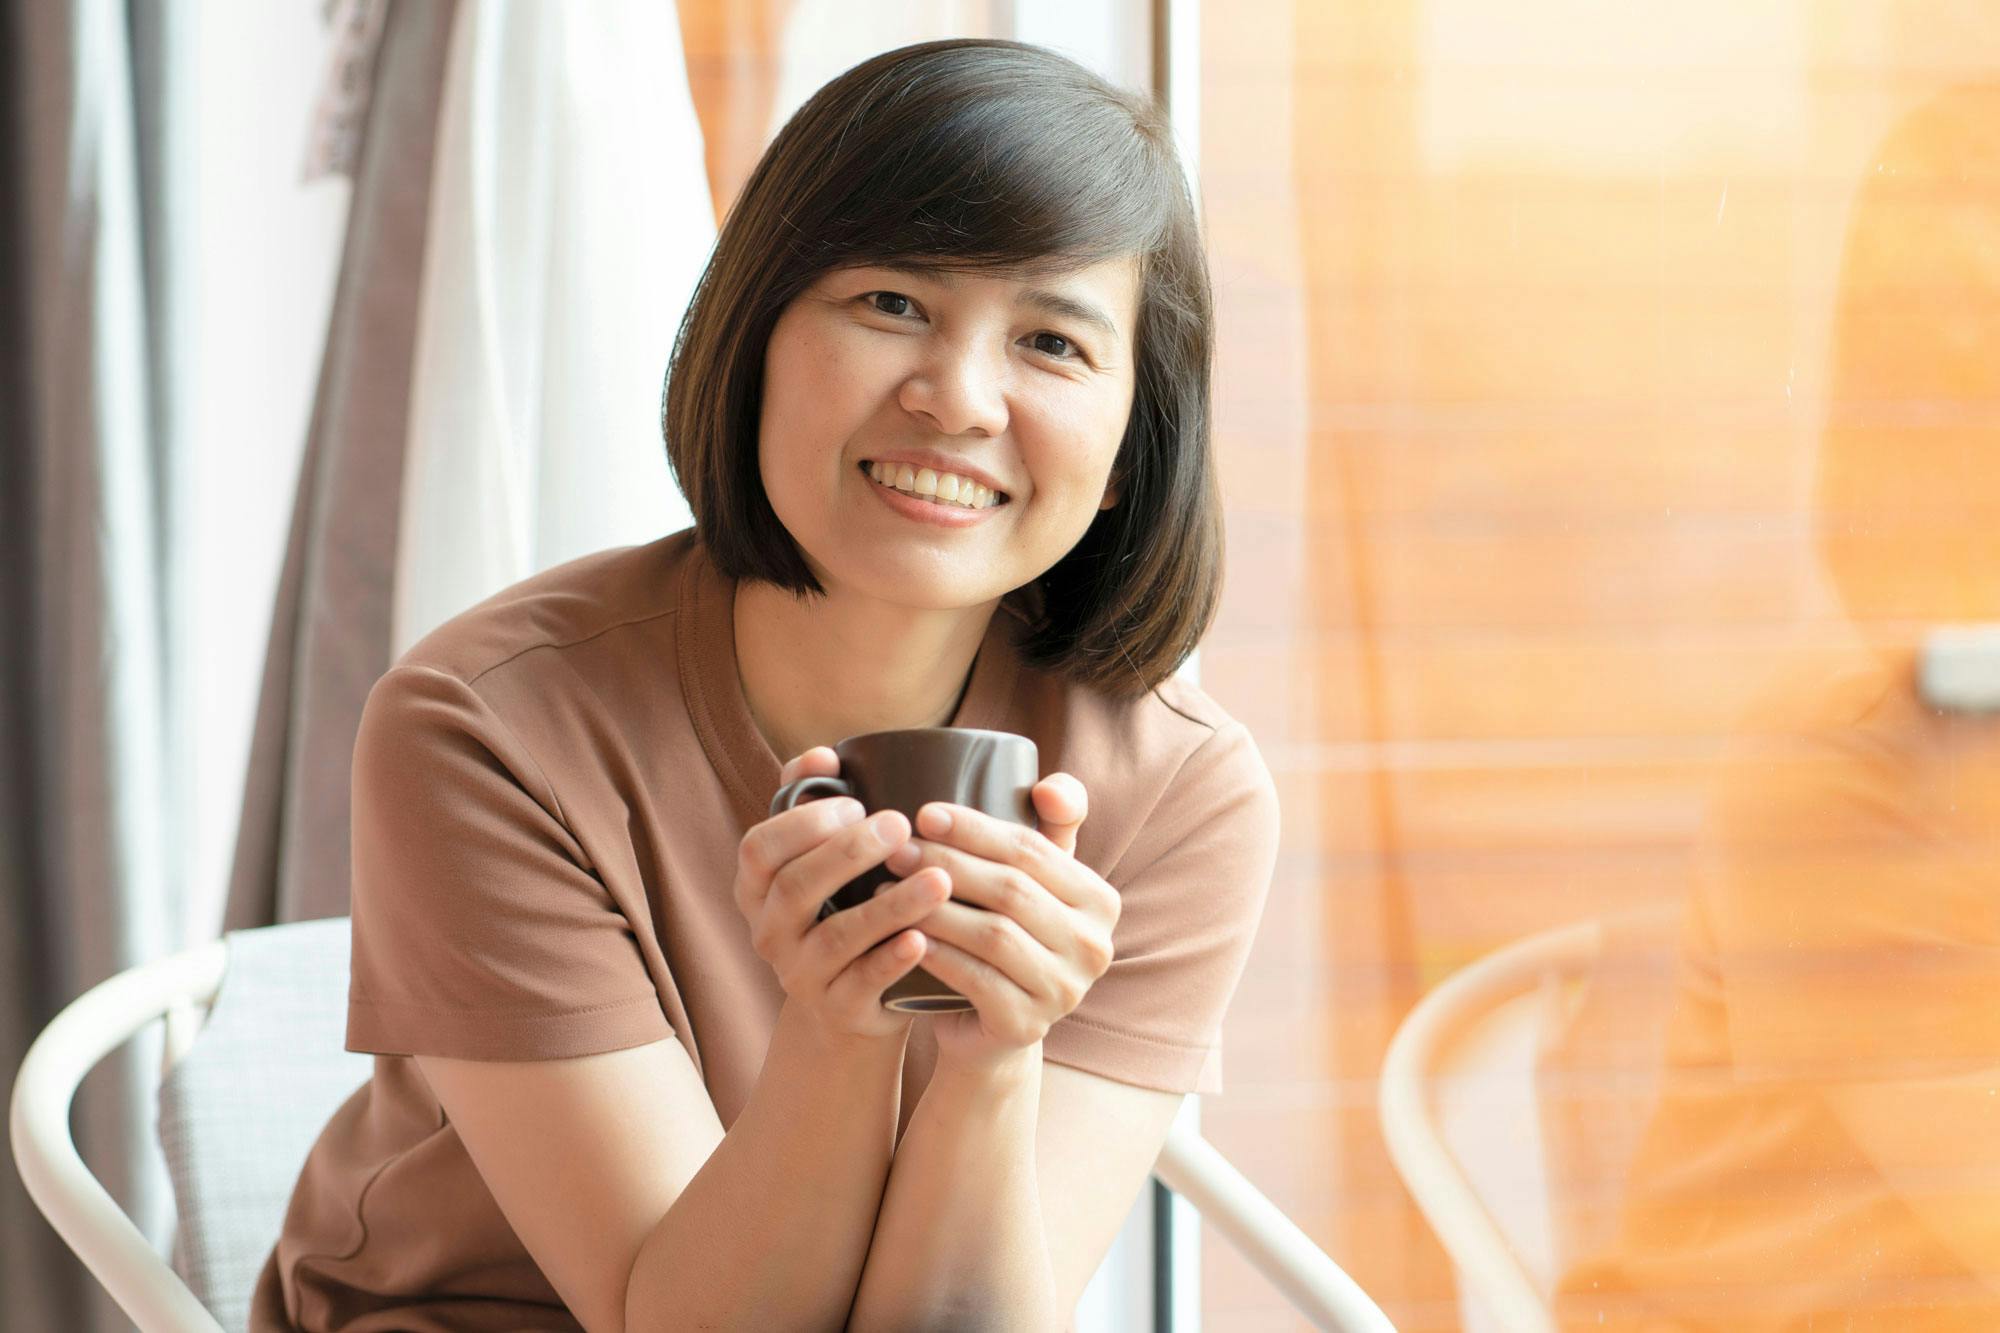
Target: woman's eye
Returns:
[876, 298]
[1069, 350]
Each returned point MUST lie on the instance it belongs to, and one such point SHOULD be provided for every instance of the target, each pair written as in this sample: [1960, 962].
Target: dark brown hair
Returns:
[977, 155]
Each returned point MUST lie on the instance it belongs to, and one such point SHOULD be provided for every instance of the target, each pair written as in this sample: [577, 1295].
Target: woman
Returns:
[624, 1078]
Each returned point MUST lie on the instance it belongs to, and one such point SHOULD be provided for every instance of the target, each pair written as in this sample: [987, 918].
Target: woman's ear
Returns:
[1112, 489]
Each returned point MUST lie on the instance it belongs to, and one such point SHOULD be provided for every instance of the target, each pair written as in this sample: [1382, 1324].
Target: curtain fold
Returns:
[569, 220]
[330, 624]
[530, 214]
[89, 770]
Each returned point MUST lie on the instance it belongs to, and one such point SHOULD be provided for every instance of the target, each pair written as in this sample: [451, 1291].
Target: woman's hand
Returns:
[792, 862]
[1045, 937]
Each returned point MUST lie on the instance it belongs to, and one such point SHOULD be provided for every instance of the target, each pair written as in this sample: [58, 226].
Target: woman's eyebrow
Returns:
[1038, 298]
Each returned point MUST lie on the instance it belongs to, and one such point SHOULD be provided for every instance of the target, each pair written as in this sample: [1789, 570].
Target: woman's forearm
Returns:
[773, 1230]
[959, 1244]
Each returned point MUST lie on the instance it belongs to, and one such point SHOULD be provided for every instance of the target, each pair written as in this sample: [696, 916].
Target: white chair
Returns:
[241, 1107]
[1460, 1076]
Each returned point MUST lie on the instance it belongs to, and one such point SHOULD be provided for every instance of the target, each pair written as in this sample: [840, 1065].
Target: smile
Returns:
[929, 510]
[944, 488]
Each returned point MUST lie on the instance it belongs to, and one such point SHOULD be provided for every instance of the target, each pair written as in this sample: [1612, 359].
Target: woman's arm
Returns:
[643, 1214]
[773, 1230]
[960, 1242]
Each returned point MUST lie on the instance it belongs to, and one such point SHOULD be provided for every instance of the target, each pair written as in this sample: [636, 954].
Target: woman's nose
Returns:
[960, 388]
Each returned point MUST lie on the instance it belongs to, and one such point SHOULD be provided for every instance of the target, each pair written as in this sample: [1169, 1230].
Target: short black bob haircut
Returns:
[980, 155]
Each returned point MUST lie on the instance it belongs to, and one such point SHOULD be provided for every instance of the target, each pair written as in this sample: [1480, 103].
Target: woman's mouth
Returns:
[946, 489]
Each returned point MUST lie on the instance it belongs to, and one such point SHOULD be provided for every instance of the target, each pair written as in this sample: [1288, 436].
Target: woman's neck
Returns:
[816, 671]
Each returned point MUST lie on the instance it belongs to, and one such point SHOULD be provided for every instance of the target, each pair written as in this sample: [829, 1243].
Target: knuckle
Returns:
[788, 887]
[1097, 952]
[750, 856]
[1005, 896]
[1017, 893]
[997, 932]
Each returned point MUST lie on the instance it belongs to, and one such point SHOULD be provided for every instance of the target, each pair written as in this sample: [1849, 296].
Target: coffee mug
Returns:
[989, 771]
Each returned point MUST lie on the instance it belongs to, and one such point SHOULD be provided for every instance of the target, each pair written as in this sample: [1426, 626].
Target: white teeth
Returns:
[938, 487]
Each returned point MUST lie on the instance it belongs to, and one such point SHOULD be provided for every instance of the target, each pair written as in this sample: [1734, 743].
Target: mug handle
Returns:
[800, 790]
[796, 793]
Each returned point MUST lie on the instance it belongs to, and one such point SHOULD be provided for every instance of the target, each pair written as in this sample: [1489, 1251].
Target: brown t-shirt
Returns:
[549, 791]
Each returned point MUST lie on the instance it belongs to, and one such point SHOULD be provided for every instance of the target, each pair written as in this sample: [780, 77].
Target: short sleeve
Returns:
[479, 928]
[1192, 887]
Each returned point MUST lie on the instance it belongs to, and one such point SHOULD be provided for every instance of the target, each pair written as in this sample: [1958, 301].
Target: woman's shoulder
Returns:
[566, 604]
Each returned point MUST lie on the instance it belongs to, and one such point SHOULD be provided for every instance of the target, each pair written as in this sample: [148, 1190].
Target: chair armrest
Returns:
[1191, 1166]
[77, 1205]
[1472, 1239]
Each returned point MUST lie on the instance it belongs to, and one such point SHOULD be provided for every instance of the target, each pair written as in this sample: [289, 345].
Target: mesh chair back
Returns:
[240, 1110]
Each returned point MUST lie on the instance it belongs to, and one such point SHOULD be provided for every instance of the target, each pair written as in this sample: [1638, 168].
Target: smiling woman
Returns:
[940, 409]
[936, 205]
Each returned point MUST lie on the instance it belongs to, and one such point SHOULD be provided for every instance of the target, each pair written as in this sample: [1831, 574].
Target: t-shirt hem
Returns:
[376, 1028]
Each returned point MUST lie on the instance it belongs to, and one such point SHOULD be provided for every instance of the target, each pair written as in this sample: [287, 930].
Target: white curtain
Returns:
[570, 217]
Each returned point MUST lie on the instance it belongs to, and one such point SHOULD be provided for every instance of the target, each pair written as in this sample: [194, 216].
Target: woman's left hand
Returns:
[1044, 939]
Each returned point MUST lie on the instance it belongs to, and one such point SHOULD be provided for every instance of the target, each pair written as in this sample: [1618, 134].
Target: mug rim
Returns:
[963, 731]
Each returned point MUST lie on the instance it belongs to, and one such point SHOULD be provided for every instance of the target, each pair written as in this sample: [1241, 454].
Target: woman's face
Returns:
[1011, 378]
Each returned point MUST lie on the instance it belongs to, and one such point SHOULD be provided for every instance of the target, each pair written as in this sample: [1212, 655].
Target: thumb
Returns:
[1060, 806]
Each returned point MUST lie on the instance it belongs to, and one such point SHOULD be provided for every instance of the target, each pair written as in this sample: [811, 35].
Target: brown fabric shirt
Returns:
[549, 791]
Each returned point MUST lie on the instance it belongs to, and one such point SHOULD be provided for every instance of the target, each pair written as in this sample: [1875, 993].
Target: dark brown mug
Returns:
[989, 771]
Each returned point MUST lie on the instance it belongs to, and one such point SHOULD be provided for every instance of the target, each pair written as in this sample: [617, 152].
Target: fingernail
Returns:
[936, 818]
[849, 811]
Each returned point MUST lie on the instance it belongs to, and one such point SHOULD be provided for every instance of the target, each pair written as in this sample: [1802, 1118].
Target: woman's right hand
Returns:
[789, 864]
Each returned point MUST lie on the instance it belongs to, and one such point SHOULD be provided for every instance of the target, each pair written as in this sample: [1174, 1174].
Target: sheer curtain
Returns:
[530, 213]
[570, 217]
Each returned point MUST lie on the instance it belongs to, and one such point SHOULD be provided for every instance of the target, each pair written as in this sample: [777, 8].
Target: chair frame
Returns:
[179, 987]
[77, 1205]
[1492, 1271]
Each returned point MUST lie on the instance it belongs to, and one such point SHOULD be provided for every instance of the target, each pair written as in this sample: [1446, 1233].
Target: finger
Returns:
[808, 880]
[818, 762]
[995, 994]
[1060, 806]
[995, 940]
[1010, 844]
[775, 843]
[863, 980]
[997, 888]
[845, 937]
